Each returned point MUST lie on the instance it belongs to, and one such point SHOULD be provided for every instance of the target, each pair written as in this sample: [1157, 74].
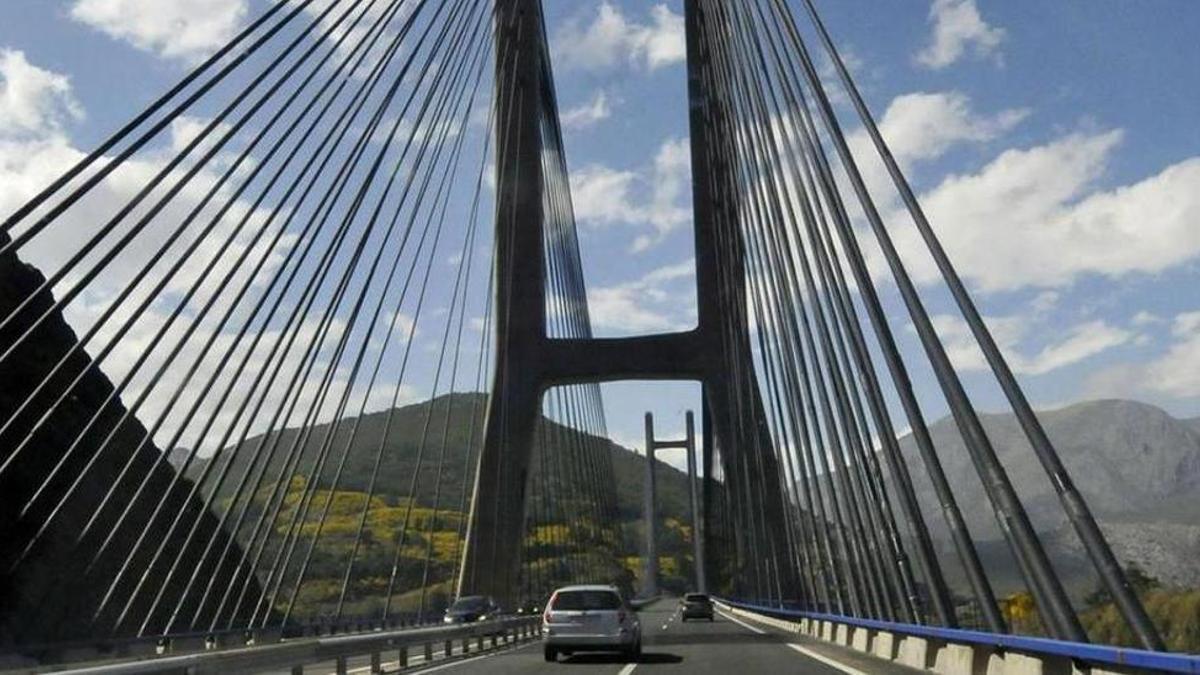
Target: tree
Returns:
[1020, 611]
[1138, 579]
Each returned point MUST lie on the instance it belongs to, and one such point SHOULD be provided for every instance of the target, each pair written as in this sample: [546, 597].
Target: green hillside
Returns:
[429, 530]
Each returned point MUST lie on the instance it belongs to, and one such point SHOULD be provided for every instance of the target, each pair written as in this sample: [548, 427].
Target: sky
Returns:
[1052, 144]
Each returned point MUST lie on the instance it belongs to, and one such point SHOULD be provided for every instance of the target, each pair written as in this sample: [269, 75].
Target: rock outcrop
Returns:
[51, 595]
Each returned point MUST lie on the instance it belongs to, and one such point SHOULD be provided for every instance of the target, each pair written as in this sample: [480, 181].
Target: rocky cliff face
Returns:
[1138, 468]
[51, 595]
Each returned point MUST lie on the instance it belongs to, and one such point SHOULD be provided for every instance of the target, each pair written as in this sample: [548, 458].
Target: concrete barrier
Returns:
[961, 652]
[885, 645]
[842, 635]
[954, 659]
[860, 640]
[913, 652]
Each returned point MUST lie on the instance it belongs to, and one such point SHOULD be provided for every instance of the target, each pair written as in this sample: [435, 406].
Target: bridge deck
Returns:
[728, 645]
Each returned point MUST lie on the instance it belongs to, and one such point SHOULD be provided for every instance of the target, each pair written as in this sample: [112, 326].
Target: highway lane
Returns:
[727, 645]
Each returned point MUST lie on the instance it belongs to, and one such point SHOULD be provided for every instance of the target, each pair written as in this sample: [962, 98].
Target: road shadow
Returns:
[663, 639]
[647, 658]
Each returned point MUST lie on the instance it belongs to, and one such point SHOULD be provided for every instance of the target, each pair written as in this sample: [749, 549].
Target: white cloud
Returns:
[655, 196]
[1045, 301]
[1175, 373]
[1032, 218]
[36, 150]
[668, 207]
[611, 39]
[588, 114]
[189, 30]
[919, 128]
[185, 129]
[923, 126]
[1144, 318]
[1186, 324]
[957, 28]
[1078, 343]
[603, 196]
[648, 304]
[664, 42]
[33, 102]
[337, 17]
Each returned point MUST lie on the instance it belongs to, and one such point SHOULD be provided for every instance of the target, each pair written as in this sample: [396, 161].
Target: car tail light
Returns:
[549, 606]
[621, 616]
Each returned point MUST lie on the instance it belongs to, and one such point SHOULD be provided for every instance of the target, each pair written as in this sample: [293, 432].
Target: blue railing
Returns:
[1096, 654]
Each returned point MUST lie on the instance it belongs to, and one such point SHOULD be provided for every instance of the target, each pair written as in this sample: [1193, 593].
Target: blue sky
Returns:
[1054, 145]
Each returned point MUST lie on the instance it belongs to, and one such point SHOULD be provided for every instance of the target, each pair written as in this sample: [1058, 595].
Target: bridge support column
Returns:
[491, 557]
[650, 509]
[650, 515]
[694, 506]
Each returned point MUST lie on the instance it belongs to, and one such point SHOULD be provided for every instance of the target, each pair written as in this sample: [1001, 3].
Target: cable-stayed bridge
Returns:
[207, 347]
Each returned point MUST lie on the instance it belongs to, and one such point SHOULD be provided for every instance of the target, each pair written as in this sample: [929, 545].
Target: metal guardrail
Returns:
[1094, 654]
[97, 649]
[296, 653]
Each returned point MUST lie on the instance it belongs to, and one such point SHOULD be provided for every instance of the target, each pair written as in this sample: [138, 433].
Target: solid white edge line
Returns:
[849, 670]
[627, 669]
[743, 624]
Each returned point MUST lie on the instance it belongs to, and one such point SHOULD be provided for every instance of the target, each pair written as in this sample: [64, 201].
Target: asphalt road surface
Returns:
[727, 645]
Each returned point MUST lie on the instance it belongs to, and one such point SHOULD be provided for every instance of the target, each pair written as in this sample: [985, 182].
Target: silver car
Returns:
[590, 618]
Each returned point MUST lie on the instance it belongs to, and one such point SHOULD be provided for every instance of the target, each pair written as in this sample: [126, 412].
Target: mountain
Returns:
[402, 451]
[404, 440]
[1137, 467]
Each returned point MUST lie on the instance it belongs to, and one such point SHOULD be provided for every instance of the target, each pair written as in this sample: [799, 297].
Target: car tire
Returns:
[551, 654]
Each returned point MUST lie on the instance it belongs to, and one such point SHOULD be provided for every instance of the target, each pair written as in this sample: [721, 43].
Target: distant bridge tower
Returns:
[650, 506]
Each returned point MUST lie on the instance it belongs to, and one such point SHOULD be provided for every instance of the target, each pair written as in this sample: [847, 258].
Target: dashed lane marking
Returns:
[627, 669]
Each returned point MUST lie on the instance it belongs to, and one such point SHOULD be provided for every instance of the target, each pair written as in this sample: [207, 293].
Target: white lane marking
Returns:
[743, 624]
[627, 669]
[849, 670]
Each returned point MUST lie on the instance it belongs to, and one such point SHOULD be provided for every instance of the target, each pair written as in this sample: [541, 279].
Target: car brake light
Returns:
[621, 616]
[549, 606]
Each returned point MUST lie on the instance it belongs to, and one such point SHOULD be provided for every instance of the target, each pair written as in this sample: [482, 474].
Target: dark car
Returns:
[696, 606]
[470, 608]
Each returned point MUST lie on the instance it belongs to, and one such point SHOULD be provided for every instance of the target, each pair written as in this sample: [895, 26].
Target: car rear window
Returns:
[695, 597]
[471, 602]
[586, 600]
